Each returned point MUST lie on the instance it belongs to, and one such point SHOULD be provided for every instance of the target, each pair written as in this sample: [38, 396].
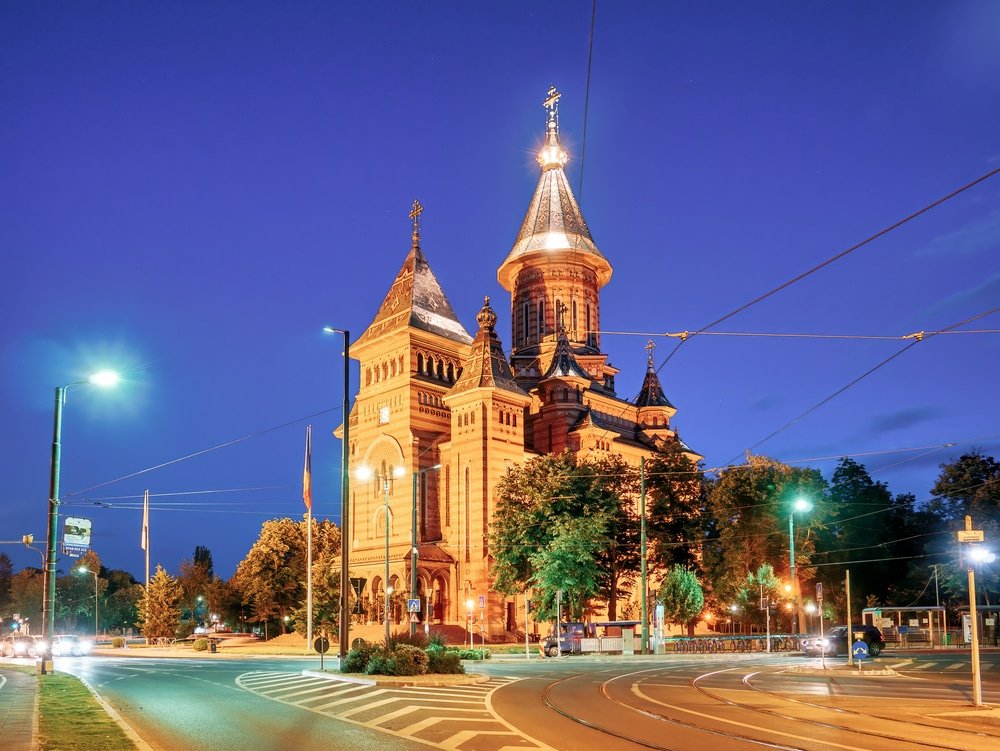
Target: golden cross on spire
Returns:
[415, 213]
[650, 347]
[551, 103]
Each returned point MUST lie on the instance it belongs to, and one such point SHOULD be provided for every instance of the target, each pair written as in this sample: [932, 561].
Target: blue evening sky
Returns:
[191, 190]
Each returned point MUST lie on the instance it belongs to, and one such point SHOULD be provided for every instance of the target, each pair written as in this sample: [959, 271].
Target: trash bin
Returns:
[946, 639]
[212, 647]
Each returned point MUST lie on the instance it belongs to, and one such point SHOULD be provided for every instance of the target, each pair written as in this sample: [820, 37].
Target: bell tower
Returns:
[554, 272]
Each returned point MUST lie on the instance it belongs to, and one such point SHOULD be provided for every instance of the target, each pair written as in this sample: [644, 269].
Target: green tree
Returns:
[326, 582]
[6, 574]
[856, 532]
[682, 597]
[568, 563]
[159, 611]
[676, 503]
[614, 489]
[271, 579]
[553, 518]
[195, 579]
[203, 558]
[749, 507]
[758, 589]
[26, 596]
[969, 485]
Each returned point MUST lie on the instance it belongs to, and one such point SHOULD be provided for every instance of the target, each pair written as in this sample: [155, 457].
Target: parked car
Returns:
[17, 645]
[837, 641]
[70, 644]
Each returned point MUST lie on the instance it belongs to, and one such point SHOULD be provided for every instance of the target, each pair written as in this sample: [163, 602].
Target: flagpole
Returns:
[145, 543]
[307, 497]
[145, 531]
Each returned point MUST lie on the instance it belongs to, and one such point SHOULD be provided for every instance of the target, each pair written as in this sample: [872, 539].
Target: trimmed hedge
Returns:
[401, 659]
[200, 645]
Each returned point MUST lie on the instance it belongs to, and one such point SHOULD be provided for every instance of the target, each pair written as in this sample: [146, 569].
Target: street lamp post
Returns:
[103, 378]
[85, 570]
[385, 477]
[345, 535]
[800, 504]
[976, 555]
[413, 541]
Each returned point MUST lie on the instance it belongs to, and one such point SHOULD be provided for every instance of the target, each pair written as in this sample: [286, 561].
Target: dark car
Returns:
[836, 642]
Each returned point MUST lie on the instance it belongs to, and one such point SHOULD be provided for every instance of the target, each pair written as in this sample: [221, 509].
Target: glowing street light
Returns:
[980, 555]
[104, 378]
[385, 477]
[799, 504]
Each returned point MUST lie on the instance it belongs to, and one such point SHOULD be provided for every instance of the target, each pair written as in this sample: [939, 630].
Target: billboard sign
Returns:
[76, 536]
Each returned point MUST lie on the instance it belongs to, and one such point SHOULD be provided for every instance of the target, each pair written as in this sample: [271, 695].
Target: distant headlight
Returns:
[86, 646]
[19, 648]
[42, 645]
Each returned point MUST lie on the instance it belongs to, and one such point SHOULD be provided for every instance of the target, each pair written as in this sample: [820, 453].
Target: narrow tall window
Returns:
[447, 496]
[524, 323]
[468, 526]
[590, 335]
[572, 321]
[541, 319]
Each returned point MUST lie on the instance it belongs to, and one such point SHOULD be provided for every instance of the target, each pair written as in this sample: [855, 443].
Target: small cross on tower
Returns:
[415, 213]
[650, 348]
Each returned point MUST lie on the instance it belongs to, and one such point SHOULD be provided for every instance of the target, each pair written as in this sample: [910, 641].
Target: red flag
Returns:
[307, 471]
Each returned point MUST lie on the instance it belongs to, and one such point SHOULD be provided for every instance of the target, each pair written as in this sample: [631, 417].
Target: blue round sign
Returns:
[859, 650]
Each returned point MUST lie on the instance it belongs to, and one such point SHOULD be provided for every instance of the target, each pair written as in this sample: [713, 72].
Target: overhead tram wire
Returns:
[682, 335]
[832, 259]
[210, 449]
[860, 378]
[847, 251]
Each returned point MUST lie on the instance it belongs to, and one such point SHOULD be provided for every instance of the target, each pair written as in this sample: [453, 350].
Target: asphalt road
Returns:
[680, 702]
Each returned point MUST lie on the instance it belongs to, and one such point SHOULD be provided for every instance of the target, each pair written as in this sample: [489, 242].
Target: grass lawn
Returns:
[70, 719]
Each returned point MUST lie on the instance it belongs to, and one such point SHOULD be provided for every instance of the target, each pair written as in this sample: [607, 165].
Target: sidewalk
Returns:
[18, 693]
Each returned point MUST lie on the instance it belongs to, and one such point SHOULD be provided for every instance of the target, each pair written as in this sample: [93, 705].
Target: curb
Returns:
[117, 718]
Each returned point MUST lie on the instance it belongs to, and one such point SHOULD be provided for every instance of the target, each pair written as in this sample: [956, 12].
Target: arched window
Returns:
[440, 370]
[393, 369]
[572, 317]
[524, 323]
[590, 334]
[368, 376]
[541, 319]
[420, 363]
[451, 373]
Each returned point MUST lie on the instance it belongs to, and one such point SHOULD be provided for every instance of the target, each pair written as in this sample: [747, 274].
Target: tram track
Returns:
[569, 715]
[796, 741]
[749, 683]
[839, 727]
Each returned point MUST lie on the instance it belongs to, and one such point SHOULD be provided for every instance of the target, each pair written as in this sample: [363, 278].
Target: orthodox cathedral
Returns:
[441, 414]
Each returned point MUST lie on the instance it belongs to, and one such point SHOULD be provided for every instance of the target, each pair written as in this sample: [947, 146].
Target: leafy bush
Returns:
[356, 660]
[118, 642]
[436, 640]
[409, 660]
[473, 654]
[381, 662]
[442, 661]
[200, 645]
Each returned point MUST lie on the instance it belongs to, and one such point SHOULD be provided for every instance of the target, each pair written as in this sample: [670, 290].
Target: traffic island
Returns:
[399, 681]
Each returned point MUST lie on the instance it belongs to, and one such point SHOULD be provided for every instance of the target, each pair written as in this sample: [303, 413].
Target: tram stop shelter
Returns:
[909, 626]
